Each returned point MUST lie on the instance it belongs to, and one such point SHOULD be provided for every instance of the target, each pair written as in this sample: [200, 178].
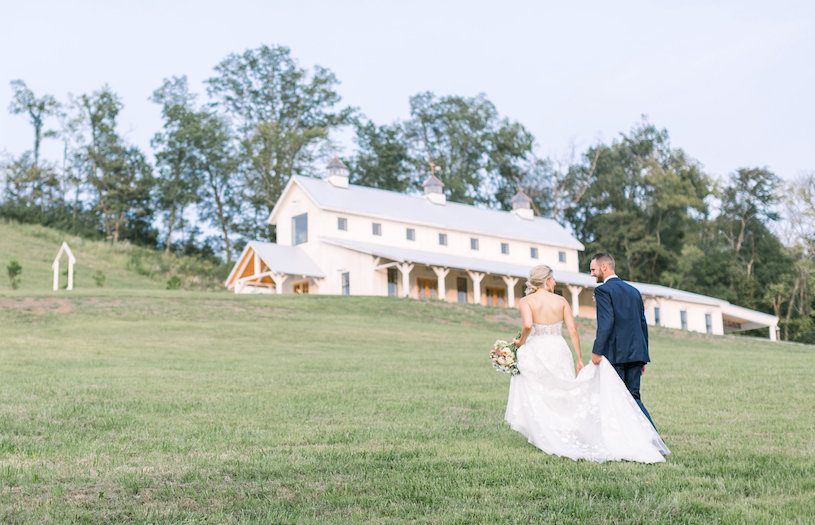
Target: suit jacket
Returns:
[622, 335]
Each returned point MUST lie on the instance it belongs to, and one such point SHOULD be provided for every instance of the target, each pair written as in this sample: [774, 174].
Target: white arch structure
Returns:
[71, 261]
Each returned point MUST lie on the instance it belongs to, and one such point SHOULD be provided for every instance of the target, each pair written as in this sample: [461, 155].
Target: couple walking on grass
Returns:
[597, 413]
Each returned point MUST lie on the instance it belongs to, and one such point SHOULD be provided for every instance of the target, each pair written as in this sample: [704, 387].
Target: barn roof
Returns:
[416, 209]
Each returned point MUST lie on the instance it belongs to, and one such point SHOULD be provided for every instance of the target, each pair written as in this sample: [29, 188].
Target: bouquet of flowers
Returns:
[504, 357]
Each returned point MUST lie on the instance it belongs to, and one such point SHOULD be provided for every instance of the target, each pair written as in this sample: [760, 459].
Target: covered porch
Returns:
[419, 274]
[271, 268]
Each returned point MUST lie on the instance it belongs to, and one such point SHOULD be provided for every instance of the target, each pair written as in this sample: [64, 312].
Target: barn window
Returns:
[299, 229]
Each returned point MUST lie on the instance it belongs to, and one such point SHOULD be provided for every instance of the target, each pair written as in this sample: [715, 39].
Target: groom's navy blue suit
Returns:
[622, 335]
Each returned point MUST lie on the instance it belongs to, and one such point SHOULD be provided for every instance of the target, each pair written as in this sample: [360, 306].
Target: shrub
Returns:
[174, 283]
[99, 278]
[14, 270]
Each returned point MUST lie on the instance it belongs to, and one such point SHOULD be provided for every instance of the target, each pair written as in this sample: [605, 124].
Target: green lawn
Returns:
[156, 406]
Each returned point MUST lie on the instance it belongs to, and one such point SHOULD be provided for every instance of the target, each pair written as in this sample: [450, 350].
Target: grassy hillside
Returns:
[157, 406]
[122, 265]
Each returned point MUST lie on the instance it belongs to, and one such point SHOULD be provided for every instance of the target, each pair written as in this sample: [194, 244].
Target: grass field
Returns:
[187, 407]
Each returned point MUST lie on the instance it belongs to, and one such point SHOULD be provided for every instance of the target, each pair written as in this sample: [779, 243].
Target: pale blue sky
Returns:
[732, 81]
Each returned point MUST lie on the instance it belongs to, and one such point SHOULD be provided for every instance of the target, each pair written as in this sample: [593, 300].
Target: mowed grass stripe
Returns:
[194, 407]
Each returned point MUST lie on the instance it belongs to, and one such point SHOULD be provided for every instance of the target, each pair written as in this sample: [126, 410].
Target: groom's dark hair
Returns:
[604, 257]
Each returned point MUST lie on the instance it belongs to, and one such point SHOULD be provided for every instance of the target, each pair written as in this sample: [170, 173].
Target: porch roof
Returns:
[288, 260]
[454, 261]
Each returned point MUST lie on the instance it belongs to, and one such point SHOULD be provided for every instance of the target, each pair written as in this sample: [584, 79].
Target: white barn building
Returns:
[338, 238]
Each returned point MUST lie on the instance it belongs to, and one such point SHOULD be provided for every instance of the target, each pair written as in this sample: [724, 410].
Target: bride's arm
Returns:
[569, 319]
[526, 318]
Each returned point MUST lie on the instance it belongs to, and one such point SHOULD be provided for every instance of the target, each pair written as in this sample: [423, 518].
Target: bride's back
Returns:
[547, 307]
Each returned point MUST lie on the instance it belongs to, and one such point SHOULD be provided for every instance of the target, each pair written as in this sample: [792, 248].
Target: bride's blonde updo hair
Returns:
[537, 278]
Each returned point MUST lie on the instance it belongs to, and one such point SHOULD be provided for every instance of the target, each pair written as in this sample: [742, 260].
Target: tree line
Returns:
[222, 158]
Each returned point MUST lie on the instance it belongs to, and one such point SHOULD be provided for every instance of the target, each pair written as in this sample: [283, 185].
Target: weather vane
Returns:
[433, 168]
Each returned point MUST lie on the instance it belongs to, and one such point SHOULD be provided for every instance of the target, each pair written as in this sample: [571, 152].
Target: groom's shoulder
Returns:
[629, 288]
[618, 284]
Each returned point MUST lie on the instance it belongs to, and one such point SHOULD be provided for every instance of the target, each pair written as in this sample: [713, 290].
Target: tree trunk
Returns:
[790, 307]
[221, 218]
[116, 230]
[76, 202]
[170, 224]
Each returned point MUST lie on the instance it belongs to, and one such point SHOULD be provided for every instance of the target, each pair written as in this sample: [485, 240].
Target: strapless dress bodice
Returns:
[545, 329]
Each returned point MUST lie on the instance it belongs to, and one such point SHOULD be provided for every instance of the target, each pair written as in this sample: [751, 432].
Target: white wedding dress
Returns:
[591, 416]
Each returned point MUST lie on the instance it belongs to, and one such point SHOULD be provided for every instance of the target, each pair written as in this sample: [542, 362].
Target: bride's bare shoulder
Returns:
[532, 298]
[562, 299]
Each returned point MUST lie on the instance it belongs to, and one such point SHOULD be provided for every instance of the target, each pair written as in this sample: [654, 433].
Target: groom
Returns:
[622, 335]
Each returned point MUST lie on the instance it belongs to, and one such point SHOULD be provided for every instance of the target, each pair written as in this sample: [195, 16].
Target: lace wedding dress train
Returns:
[591, 416]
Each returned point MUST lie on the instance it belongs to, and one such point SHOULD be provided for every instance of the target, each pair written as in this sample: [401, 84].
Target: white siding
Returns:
[671, 317]
[427, 239]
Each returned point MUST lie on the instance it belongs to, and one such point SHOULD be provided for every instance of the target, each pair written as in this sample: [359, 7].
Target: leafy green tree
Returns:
[557, 187]
[120, 176]
[747, 204]
[30, 184]
[37, 109]
[197, 162]
[734, 255]
[283, 114]
[382, 159]
[176, 156]
[644, 199]
[793, 298]
[480, 154]
[128, 198]
[748, 200]
[30, 181]
[71, 119]
[217, 165]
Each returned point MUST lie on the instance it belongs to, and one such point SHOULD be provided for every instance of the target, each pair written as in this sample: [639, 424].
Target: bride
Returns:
[591, 416]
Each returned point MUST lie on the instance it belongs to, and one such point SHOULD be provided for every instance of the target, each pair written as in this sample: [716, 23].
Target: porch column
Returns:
[511, 282]
[405, 268]
[70, 275]
[441, 273]
[773, 330]
[279, 279]
[55, 266]
[575, 290]
[477, 277]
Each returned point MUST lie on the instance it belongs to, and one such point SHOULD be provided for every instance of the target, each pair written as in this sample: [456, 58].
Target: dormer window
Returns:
[442, 239]
[410, 234]
[473, 244]
[504, 248]
[376, 228]
[342, 224]
[533, 252]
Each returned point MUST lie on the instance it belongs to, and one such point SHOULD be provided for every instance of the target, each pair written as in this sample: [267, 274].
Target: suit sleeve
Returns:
[605, 321]
[644, 324]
